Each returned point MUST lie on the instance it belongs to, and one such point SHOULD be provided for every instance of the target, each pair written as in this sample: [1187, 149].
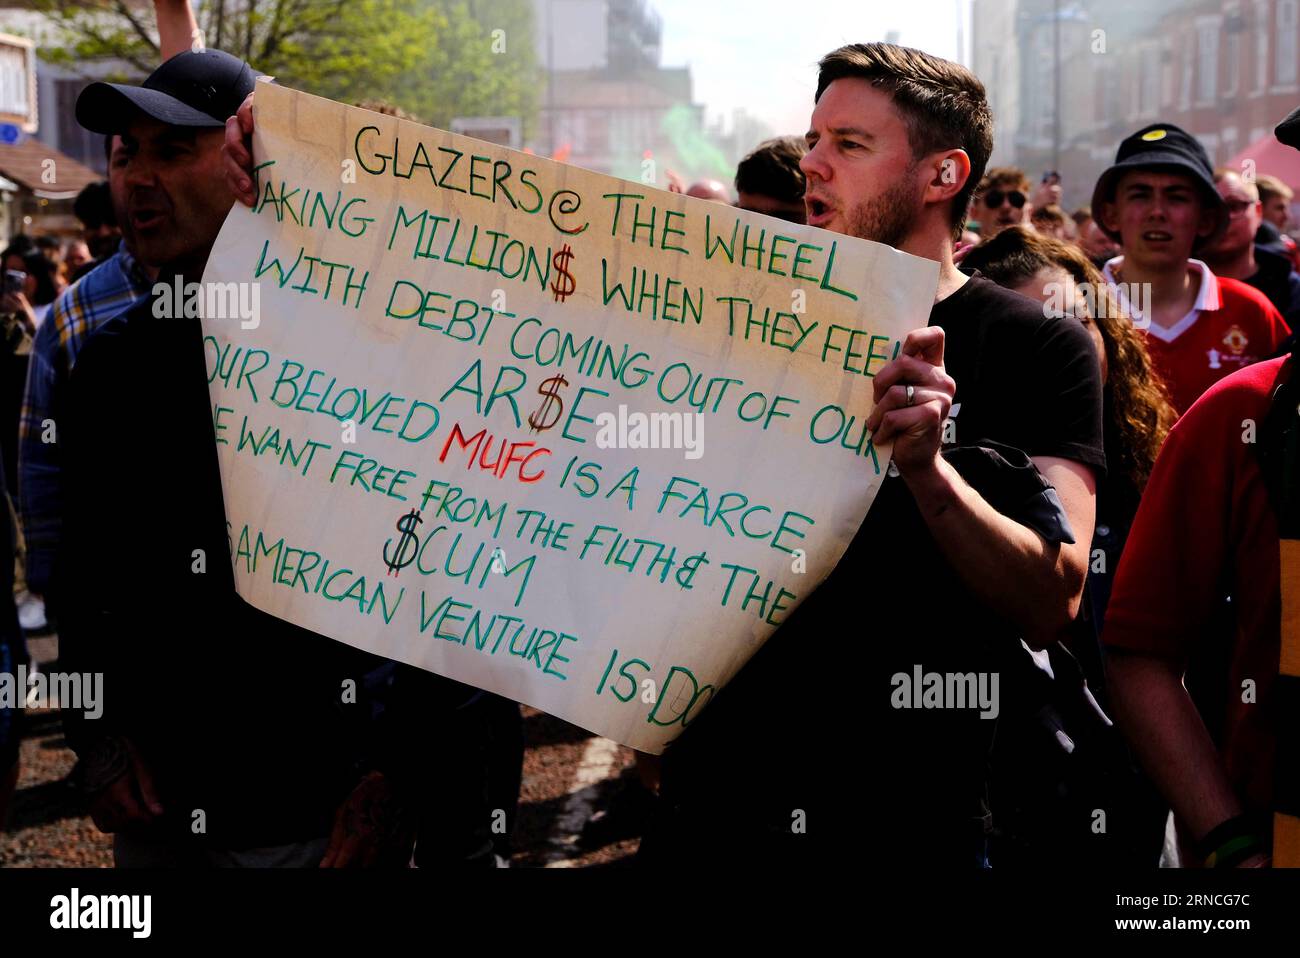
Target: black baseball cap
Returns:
[1164, 148]
[199, 88]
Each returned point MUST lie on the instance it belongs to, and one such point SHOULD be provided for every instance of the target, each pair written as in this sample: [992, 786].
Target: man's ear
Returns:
[950, 171]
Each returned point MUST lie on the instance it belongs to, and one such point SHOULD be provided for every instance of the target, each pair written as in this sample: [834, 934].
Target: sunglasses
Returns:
[993, 198]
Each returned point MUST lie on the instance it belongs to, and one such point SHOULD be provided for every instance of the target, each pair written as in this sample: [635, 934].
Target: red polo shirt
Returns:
[1206, 529]
[1230, 326]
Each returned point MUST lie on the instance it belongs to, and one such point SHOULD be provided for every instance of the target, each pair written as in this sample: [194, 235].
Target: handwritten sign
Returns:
[568, 438]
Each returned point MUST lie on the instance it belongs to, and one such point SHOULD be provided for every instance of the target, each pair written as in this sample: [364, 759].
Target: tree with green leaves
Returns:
[435, 59]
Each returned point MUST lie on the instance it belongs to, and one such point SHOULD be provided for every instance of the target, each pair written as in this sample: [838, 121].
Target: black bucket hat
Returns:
[1165, 148]
[199, 88]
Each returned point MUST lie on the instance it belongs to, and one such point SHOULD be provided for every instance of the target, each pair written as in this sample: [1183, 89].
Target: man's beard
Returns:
[889, 217]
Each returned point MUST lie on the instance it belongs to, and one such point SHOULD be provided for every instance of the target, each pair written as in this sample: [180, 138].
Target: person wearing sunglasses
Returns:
[1002, 200]
[1236, 255]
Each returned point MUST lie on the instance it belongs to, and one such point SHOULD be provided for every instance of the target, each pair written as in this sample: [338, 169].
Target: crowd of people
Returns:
[1096, 475]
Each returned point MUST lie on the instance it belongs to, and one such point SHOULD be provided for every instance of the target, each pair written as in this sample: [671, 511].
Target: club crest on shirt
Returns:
[1235, 340]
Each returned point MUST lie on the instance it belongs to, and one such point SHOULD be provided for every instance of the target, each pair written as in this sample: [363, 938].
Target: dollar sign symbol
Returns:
[550, 388]
[406, 526]
[561, 262]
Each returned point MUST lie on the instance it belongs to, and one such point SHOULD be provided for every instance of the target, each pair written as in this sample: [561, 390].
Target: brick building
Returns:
[1225, 70]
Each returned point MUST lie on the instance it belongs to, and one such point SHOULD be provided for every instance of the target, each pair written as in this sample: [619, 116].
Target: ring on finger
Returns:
[911, 394]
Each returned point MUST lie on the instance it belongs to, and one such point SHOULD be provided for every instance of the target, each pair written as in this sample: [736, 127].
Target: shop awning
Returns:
[1271, 157]
[28, 164]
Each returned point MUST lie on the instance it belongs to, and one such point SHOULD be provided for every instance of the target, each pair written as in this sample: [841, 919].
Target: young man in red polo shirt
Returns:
[1160, 203]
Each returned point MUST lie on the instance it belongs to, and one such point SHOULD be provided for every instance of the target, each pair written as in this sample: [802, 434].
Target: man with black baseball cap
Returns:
[171, 129]
[228, 737]
[1159, 202]
[174, 208]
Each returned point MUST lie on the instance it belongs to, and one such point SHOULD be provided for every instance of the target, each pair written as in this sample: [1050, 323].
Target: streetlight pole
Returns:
[1056, 62]
[550, 75]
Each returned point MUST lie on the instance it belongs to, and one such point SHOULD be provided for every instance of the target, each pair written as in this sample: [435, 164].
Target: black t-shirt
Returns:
[807, 725]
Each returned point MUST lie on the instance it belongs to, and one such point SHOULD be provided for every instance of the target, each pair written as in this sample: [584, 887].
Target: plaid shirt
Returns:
[110, 289]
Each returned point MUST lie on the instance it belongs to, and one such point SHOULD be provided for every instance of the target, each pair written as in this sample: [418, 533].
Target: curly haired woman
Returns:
[1137, 413]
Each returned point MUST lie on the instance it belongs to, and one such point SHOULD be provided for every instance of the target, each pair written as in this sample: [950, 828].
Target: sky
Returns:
[761, 55]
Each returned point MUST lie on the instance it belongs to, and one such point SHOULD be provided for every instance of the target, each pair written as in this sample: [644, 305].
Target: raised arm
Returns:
[178, 31]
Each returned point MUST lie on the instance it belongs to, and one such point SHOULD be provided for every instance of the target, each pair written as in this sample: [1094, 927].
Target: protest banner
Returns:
[568, 438]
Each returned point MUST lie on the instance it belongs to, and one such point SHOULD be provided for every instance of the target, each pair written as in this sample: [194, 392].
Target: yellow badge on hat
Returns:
[1154, 135]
